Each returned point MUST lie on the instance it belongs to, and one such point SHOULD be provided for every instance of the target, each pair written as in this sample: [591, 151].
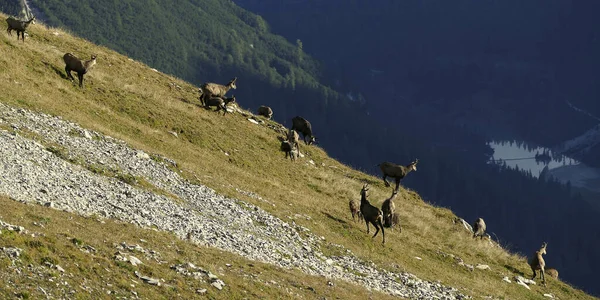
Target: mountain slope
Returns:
[128, 101]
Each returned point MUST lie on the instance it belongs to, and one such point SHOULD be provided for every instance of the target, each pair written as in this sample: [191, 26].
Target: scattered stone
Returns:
[252, 121]
[201, 291]
[59, 268]
[524, 285]
[418, 258]
[134, 260]
[505, 279]
[524, 280]
[217, 285]
[482, 267]
[549, 296]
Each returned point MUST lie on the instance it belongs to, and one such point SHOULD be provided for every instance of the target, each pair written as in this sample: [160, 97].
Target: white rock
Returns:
[418, 258]
[252, 121]
[505, 279]
[482, 267]
[523, 284]
[217, 285]
[134, 260]
[549, 296]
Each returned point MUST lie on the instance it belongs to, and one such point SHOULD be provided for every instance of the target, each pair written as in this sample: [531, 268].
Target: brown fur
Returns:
[19, 26]
[303, 126]
[396, 171]
[219, 102]
[289, 149]
[210, 89]
[536, 262]
[265, 111]
[479, 228]
[396, 221]
[388, 208]
[552, 273]
[355, 210]
[370, 213]
[72, 63]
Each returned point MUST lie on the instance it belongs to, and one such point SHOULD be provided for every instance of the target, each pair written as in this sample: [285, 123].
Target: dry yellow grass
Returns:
[127, 100]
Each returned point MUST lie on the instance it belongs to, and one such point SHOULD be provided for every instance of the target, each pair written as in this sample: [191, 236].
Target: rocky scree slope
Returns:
[50, 161]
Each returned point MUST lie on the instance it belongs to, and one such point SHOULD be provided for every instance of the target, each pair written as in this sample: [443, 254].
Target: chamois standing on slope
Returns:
[293, 137]
[396, 171]
[388, 208]
[479, 228]
[303, 126]
[536, 262]
[370, 213]
[290, 149]
[219, 102]
[19, 26]
[209, 89]
[73, 63]
[355, 210]
[265, 111]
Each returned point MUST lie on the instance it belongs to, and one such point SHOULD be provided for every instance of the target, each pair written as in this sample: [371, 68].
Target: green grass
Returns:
[127, 100]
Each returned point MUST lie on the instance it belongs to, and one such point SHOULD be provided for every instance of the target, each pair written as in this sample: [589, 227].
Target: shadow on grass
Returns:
[335, 218]
[514, 270]
[56, 70]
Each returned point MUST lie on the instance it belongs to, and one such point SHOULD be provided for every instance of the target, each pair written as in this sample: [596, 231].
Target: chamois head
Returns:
[365, 189]
[232, 83]
[543, 248]
[413, 165]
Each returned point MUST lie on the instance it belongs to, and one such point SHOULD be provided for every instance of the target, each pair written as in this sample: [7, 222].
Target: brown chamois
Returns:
[73, 63]
[19, 26]
[303, 126]
[388, 208]
[355, 210]
[370, 213]
[479, 228]
[265, 111]
[552, 273]
[294, 138]
[290, 149]
[396, 171]
[209, 89]
[220, 103]
[536, 262]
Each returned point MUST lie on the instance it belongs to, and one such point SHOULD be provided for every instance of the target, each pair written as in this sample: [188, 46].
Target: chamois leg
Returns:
[80, 76]
[385, 180]
[68, 71]
[382, 231]
[532, 269]
[376, 229]
[367, 222]
[397, 184]
[543, 276]
[22, 36]
[9, 30]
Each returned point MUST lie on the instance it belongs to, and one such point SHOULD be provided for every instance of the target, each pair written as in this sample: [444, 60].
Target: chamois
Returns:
[19, 26]
[388, 208]
[293, 138]
[355, 210]
[73, 63]
[265, 111]
[370, 213]
[552, 273]
[209, 89]
[303, 126]
[289, 149]
[219, 102]
[479, 228]
[396, 171]
[536, 262]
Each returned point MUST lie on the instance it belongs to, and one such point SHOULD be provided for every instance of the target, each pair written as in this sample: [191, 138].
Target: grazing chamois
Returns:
[479, 228]
[536, 262]
[396, 171]
[19, 26]
[209, 89]
[355, 210]
[265, 111]
[370, 213]
[219, 102]
[552, 273]
[303, 126]
[73, 63]
[388, 208]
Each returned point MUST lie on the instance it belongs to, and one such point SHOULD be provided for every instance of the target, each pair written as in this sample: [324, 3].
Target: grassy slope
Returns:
[127, 100]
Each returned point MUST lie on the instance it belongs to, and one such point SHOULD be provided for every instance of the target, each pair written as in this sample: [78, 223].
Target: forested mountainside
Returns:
[501, 68]
[382, 123]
